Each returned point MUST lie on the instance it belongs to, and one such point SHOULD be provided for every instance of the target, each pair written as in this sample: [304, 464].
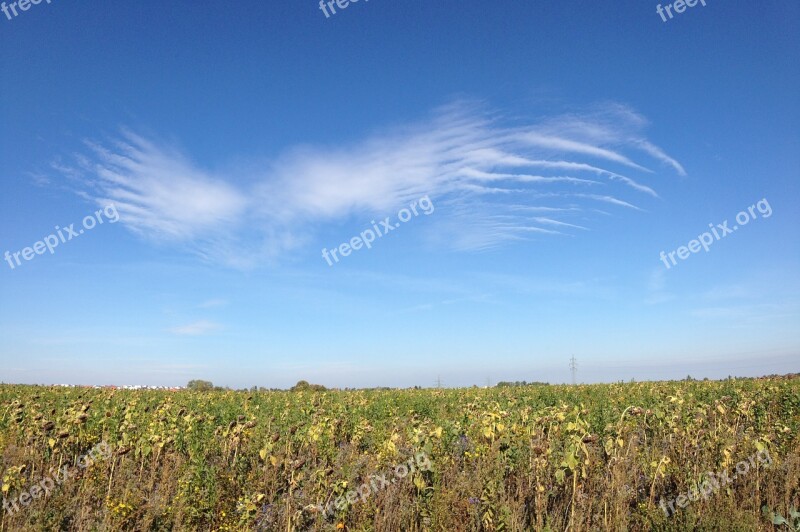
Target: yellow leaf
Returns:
[273, 460]
[263, 454]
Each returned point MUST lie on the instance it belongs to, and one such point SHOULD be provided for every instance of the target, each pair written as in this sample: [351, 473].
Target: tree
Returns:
[304, 386]
[200, 386]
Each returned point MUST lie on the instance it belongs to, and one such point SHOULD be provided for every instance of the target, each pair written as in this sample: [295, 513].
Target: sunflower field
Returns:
[539, 457]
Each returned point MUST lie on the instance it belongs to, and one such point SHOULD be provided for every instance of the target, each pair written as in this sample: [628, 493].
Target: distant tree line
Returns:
[506, 384]
[304, 386]
[198, 385]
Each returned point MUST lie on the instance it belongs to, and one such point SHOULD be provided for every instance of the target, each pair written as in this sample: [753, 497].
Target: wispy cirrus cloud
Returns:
[658, 153]
[483, 173]
[212, 303]
[164, 195]
[196, 328]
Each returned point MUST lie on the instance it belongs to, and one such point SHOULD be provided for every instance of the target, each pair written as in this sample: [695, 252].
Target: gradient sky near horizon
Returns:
[563, 146]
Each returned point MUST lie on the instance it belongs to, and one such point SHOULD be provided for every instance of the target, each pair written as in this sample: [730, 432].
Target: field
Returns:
[587, 457]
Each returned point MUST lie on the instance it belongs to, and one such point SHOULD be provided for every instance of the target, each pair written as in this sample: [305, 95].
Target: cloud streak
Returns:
[481, 172]
[197, 328]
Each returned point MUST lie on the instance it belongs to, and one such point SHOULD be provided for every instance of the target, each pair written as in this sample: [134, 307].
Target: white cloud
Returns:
[478, 171]
[161, 194]
[197, 328]
[659, 154]
[213, 303]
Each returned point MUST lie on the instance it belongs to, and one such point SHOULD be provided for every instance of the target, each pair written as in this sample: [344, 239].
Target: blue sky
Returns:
[562, 146]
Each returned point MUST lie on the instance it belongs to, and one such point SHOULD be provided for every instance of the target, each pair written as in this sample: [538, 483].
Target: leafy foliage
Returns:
[588, 457]
[200, 386]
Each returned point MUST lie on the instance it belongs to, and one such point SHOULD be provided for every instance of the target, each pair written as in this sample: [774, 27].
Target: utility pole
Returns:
[573, 366]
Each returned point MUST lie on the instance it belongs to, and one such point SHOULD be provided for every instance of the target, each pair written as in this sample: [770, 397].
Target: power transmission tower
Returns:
[438, 381]
[573, 366]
